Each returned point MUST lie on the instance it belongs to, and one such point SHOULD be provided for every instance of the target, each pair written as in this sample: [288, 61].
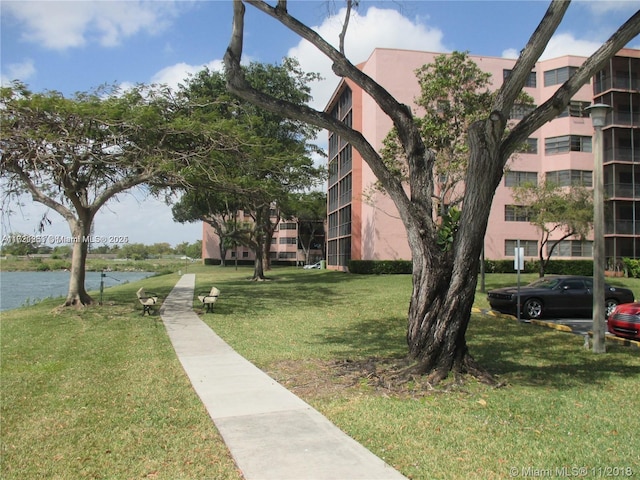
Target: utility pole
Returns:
[598, 114]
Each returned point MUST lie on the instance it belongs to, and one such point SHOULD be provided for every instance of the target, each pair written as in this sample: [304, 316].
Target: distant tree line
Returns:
[15, 244]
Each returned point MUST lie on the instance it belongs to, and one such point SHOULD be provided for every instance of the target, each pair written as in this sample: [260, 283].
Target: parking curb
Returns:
[563, 328]
[555, 326]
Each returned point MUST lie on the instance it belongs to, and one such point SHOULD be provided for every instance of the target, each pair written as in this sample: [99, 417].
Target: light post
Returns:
[598, 113]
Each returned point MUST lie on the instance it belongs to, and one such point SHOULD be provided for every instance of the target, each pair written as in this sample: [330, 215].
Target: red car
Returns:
[624, 321]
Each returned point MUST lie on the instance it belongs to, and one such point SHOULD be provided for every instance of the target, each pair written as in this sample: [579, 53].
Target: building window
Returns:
[572, 248]
[567, 143]
[530, 247]
[576, 109]
[344, 216]
[531, 79]
[339, 252]
[530, 146]
[333, 171]
[344, 251]
[519, 111]
[333, 198]
[288, 241]
[288, 226]
[333, 144]
[516, 213]
[558, 76]
[345, 190]
[568, 178]
[345, 160]
[515, 178]
[333, 225]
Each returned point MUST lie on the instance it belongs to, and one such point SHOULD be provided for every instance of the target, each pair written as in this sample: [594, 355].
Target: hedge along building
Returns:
[363, 223]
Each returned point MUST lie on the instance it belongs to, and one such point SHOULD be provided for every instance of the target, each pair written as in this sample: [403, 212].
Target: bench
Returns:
[148, 300]
[209, 298]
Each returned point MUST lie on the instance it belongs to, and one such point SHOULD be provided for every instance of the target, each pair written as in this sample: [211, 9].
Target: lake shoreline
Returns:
[53, 264]
[23, 288]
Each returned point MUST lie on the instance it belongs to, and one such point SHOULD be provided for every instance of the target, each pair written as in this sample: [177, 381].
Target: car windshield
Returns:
[548, 283]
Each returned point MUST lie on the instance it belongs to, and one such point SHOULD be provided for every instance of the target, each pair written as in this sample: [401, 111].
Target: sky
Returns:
[75, 46]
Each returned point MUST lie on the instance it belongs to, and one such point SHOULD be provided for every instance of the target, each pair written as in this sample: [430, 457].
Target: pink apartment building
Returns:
[285, 246]
[364, 225]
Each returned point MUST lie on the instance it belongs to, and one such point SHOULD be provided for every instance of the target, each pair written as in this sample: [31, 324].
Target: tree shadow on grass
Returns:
[383, 337]
[517, 354]
[243, 297]
[527, 354]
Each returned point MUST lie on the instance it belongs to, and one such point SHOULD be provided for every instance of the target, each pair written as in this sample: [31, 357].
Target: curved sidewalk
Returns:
[271, 433]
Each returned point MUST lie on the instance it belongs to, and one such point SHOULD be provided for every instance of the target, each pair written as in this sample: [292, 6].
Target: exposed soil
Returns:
[385, 376]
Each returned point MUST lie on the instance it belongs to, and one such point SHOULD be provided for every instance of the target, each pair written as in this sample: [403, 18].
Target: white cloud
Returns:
[176, 74]
[510, 53]
[566, 44]
[599, 7]
[59, 25]
[135, 215]
[18, 71]
[377, 28]
[561, 44]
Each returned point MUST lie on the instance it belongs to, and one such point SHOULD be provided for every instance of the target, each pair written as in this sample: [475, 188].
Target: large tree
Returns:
[272, 159]
[454, 93]
[75, 154]
[556, 211]
[215, 208]
[309, 210]
[444, 279]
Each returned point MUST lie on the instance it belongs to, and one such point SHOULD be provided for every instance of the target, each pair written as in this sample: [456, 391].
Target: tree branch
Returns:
[552, 107]
[39, 196]
[238, 85]
[513, 84]
[419, 159]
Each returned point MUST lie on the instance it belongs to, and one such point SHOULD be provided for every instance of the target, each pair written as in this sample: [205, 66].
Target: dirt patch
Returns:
[384, 376]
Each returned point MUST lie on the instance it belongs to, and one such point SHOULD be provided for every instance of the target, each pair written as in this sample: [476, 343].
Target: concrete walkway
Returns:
[271, 433]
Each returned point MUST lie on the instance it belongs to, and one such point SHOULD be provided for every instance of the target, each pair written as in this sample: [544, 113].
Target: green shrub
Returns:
[632, 267]
[59, 264]
[554, 267]
[380, 267]
[42, 267]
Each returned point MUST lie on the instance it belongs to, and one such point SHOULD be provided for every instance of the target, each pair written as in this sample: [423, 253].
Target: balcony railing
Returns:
[622, 227]
[624, 190]
[622, 154]
[616, 83]
[623, 118]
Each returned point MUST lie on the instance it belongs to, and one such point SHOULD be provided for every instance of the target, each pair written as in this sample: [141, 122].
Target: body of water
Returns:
[21, 288]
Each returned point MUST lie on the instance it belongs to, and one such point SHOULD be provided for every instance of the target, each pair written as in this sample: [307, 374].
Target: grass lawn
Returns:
[98, 393]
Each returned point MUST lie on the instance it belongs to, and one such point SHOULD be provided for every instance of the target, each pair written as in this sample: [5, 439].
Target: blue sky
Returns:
[72, 46]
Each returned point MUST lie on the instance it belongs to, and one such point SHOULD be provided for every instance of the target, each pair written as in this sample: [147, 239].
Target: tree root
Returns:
[79, 300]
[407, 376]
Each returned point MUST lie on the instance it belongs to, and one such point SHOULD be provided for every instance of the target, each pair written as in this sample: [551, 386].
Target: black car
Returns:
[557, 295]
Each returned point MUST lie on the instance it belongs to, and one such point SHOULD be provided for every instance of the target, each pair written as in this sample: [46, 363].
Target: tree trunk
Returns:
[77, 295]
[439, 313]
[258, 265]
[444, 281]
[260, 238]
[223, 252]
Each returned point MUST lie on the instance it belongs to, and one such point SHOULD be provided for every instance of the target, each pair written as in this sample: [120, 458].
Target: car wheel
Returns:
[533, 308]
[609, 306]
